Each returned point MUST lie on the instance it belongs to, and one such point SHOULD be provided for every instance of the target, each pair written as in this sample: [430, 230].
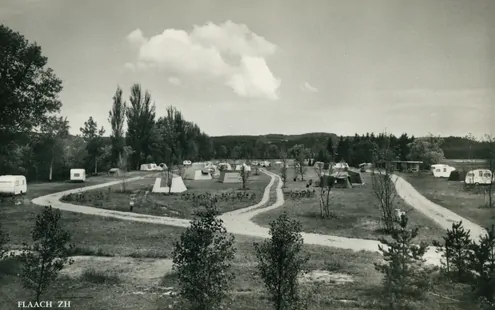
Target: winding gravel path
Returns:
[239, 221]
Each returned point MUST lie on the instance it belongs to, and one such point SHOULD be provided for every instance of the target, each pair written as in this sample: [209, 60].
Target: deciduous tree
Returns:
[94, 142]
[116, 118]
[140, 122]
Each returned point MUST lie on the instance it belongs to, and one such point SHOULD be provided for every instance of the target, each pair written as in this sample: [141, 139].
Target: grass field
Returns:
[453, 196]
[113, 290]
[175, 205]
[356, 212]
[348, 280]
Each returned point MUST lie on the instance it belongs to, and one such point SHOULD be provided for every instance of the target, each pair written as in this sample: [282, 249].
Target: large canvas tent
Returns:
[177, 185]
[229, 176]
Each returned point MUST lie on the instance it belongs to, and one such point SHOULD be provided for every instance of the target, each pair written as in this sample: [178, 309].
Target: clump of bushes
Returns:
[297, 194]
[220, 197]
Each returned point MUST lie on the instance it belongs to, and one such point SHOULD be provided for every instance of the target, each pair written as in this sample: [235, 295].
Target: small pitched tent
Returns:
[229, 176]
[197, 172]
[177, 186]
[246, 167]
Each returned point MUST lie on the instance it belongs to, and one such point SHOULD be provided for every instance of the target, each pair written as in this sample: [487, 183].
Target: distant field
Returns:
[466, 165]
[453, 196]
[176, 205]
[356, 212]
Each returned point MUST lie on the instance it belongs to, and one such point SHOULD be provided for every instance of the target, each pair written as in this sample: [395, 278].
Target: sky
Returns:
[275, 66]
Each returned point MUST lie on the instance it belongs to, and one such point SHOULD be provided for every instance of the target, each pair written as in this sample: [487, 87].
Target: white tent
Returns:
[442, 171]
[224, 166]
[479, 176]
[246, 167]
[193, 173]
[177, 186]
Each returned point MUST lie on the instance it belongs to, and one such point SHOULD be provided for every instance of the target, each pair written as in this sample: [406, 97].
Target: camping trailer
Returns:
[149, 167]
[77, 175]
[479, 177]
[13, 185]
[442, 171]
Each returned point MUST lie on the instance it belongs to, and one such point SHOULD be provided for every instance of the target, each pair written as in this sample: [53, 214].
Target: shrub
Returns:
[99, 277]
[455, 250]
[280, 261]
[48, 253]
[405, 280]
[202, 259]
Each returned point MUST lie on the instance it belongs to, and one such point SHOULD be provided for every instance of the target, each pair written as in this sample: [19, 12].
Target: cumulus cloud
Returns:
[308, 88]
[229, 52]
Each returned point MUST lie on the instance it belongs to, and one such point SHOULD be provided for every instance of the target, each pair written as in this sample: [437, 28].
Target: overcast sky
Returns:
[275, 66]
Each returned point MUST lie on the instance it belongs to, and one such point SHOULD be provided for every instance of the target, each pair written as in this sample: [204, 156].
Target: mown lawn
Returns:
[467, 202]
[113, 290]
[232, 197]
[356, 212]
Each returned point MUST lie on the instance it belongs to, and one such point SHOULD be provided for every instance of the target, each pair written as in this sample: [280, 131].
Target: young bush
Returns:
[245, 174]
[280, 261]
[482, 261]
[325, 199]
[455, 250]
[4, 238]
[404, 278]
[47, 255]
[202, 259]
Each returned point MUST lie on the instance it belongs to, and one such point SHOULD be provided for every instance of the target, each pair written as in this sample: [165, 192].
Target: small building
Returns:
[13, 185]
[77, 175]
[407, 165]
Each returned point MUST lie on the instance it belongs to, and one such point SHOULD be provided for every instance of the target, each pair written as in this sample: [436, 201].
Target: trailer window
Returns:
[444, 169]
[481, 173]
[470, 174]
[17, 183]
[487, 174]
[77, 175]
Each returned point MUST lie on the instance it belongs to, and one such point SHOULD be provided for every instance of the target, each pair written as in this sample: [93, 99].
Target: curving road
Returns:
[239, 221]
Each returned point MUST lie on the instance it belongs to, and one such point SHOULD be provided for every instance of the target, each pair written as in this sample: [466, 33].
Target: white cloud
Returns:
[309, 88]
[228, 52]
[174, 81]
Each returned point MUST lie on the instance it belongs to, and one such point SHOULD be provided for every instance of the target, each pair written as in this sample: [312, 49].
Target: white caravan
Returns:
[148, 167]
[479, 177]
[442, 171]
[13, 184]
[77, 175]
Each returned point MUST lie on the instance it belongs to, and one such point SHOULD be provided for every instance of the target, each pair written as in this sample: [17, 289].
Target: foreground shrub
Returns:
[202, 259]
[405, 279]
[99, 277]
[455, 250]
[4, 238]
[280, 261]
[482, 262]
[49, 252]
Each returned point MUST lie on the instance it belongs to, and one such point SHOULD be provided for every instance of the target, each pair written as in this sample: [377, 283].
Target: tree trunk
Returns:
[51, 170]
[96, 165]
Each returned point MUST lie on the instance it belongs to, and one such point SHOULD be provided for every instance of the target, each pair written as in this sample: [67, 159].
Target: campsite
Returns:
[201, 156]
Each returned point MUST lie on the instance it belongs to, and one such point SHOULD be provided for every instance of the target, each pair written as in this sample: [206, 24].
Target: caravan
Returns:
[77, 175]
[442, 171]
[13, 185]
[479, 177]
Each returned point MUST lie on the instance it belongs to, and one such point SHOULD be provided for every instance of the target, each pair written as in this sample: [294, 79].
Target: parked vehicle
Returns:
[77, 175]
[13, 185]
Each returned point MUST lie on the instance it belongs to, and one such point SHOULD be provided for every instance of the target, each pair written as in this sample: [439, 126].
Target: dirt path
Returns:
[239, 221]
[442, 216]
